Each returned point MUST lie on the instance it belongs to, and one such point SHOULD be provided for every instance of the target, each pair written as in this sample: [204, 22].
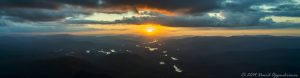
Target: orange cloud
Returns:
[161, 11]
[137, 8]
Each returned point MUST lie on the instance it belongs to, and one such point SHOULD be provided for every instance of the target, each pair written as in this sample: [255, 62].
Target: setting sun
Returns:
[150, 29]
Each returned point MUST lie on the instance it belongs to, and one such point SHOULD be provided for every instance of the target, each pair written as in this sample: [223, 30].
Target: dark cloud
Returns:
[193, 6]
[292, 10]
[10, 21]
[44, 10]
[46, 4]
[200, 21]
[85, 3]
[28, 4]
[87, 22]
[35, 14]
[244, 19]
[236, 19]
[50, 10]
[246, 5]
[4, 23]
[236, 12]
[191, 12]
[282, 7]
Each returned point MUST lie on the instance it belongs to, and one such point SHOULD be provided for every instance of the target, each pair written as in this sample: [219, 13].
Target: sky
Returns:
[175, 17]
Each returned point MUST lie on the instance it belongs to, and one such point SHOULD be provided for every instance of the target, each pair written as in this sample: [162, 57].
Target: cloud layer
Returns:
[194, 13]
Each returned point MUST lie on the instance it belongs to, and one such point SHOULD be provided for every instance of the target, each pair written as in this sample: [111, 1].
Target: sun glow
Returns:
[152, 30]
[149, 30]
[161, 31]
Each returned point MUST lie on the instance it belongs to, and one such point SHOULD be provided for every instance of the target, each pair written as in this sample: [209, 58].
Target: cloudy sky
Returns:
[26, 16]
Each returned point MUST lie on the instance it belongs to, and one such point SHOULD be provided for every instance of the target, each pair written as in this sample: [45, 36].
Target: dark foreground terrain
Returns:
[66, 56]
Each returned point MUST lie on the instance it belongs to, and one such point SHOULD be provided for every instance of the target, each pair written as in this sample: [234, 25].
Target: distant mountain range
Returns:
[67, 56]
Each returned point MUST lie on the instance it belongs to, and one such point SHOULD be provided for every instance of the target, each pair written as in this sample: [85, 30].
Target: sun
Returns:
[152, 30]
[149, 29]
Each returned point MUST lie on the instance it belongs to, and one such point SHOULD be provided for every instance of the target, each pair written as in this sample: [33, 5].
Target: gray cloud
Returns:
[236, 19]
[282, 7]
[292, 10]
[9, 21]
[232, 19]
[44, 10]
[246, 5]
[4, 22]
[34, 14]
[194, 6]
[46, 4]
[237, 12]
